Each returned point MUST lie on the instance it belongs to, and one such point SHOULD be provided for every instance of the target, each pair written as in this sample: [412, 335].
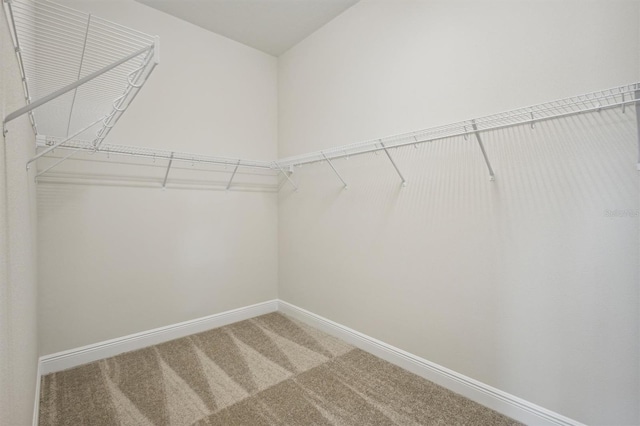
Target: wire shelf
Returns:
[621, 97]
[94, 67]
[596, 101]
[155, 154]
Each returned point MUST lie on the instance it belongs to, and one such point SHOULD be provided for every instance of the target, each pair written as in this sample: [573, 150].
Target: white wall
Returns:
[18, 333]
[524, 283]
[115, 260]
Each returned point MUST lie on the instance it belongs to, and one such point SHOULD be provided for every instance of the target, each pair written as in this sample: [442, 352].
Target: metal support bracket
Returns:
[68, 88]
[286, 175]
[118, 106]
[166, 175]
[156, 50]
[484, 153]
[62, 160]
[395, 166]
[233, 175]
[57, 144]
[533, 121]
[336, 172]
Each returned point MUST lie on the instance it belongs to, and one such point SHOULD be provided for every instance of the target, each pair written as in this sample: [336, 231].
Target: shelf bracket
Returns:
[166, 174]
[233, 175]
[395, 166]
[33, 105]
[57, 144]
[336, 172]
[286, 175]
[62, 160]
[112, 118]
[533, 121]
[484, 153]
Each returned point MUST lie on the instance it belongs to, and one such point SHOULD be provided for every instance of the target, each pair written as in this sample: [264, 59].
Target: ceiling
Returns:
[272, 26]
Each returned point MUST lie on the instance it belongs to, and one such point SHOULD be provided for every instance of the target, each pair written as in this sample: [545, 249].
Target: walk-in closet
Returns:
[319, 212]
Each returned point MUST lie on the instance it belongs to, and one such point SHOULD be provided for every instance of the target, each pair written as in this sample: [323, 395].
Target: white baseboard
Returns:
[502, 402]
[36, 403]
[83, 355]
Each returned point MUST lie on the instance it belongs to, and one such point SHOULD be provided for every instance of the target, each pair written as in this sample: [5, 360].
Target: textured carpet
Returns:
[269, 370]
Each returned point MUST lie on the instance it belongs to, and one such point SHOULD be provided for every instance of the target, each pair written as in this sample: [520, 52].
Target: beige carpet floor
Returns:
[269, 370]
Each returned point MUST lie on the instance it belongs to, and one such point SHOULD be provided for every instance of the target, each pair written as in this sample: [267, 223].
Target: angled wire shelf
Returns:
[79, 72]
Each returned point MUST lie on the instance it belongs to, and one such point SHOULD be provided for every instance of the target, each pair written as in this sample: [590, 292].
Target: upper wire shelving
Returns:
[618, 97]
[79, 72]
[596, 101]
[231, 165]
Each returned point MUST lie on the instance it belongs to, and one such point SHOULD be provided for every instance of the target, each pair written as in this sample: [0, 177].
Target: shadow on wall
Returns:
[524, 283]
[555, 146]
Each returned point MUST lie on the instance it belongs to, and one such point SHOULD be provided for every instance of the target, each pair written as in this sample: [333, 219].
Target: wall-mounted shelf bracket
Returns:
[62, 160]
[286, 175]
[233, 175]
[484, 153]
[336, 171]
[135, 80]
[166, 174]
[533, 121]
[395, 166]
[65, 140]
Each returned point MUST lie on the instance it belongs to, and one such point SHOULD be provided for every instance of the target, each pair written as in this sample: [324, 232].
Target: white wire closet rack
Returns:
[618, 97]
[79, 72]
[230, 165]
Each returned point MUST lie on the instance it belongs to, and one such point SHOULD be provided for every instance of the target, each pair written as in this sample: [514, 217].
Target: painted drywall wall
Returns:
[18, 332]
[121, 257]
[528, 283]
